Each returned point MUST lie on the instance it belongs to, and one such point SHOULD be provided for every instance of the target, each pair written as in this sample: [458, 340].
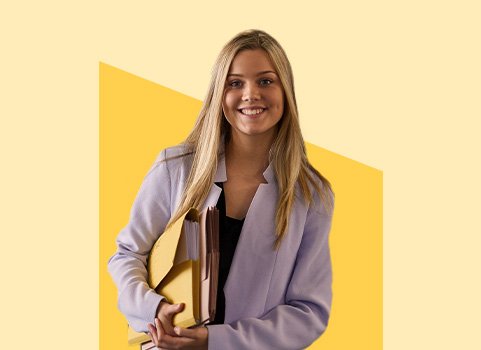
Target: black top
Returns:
[229, 232]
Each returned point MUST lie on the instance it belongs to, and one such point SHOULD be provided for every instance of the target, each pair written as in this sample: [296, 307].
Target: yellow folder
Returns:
[171, 272]
[136, 337]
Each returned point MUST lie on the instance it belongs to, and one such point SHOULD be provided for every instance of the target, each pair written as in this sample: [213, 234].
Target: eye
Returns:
[234, 83]
[265, 82]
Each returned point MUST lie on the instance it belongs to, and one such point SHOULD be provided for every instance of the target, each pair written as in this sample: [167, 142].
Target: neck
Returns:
[250, 153]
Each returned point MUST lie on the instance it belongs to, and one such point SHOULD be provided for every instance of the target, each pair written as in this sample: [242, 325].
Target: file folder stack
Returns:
[183, 266]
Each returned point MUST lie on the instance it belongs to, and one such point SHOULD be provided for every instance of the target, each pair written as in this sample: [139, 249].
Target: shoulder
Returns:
[171, 153]
[168, 173]
[322, 193]
[172, 158]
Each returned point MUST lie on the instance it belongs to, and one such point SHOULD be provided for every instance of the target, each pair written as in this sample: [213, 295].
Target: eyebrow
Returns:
[260, 73]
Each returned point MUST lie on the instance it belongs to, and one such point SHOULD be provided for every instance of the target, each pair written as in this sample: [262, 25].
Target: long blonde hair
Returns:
[288, 153]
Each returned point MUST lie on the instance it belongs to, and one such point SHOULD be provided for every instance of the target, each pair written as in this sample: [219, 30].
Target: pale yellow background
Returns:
[395, 85]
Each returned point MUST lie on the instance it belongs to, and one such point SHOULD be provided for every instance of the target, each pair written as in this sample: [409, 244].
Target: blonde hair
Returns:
[288, 153]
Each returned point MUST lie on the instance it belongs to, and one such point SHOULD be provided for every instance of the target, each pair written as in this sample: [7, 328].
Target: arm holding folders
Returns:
[150, 213]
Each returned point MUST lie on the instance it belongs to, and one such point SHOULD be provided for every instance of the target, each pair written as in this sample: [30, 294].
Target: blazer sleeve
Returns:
[128, 266]
[304, 316]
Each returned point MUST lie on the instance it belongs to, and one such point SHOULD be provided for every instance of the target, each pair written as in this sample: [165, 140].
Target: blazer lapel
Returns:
[215, 190]
[247, 285]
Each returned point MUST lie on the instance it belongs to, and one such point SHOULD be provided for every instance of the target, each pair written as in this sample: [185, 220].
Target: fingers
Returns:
[166, 316]
[188, 333]
[197, 338]
[157, 333]
[162, 340]
[160, 329]
[153, 334]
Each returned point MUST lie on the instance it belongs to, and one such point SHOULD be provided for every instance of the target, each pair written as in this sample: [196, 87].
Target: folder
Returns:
[148, 346]
[183, 266]
[136, 337]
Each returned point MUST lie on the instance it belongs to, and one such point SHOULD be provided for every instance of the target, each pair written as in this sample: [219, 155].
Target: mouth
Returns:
[252, 112]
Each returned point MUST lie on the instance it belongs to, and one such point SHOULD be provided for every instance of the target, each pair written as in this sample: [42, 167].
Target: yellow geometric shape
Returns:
[356, 252]
[138, 118]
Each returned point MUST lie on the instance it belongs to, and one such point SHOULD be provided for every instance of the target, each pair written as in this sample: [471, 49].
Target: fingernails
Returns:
[177, 330]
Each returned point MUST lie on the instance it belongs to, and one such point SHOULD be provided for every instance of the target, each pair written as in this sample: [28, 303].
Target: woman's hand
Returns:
[187, 339]
[165, 314]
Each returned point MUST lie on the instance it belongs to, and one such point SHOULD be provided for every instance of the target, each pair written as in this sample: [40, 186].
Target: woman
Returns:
[246, 155]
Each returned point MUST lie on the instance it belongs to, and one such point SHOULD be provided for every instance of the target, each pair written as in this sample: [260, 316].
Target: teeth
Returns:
[252, 111]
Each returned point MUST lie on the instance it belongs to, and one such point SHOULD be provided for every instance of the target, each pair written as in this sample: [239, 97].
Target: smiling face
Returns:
[253, 100]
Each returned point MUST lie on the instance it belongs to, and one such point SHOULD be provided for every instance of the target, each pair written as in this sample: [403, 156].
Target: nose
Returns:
[251, 92]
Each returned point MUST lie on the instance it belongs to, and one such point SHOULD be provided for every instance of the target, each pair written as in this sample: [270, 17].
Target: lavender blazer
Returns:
[275, 299]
